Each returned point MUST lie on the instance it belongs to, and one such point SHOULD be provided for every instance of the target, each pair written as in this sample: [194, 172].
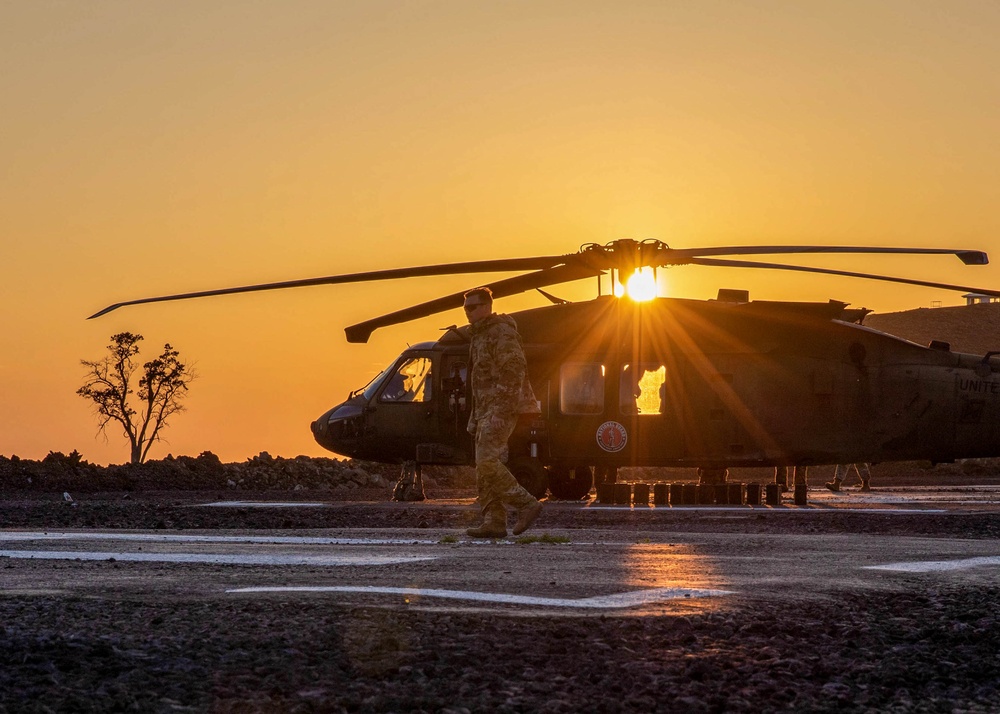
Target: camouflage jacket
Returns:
[500, 384]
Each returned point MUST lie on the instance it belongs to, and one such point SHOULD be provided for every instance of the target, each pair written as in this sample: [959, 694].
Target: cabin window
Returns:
[411, 382]
[642, 388]
[581, 388]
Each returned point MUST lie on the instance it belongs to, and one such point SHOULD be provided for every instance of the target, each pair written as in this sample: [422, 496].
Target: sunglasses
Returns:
[472, 306]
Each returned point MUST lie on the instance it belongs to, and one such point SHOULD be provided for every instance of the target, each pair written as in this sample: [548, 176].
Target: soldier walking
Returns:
[863, 471]
[500, 393]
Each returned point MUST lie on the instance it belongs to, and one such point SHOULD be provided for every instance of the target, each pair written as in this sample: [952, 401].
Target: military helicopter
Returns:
[709, 384]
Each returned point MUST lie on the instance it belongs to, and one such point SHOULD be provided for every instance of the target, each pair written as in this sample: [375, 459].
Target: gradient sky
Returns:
[159, 147]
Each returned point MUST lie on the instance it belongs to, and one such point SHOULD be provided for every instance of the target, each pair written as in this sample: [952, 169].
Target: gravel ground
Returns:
[926, 650]
[936, 652]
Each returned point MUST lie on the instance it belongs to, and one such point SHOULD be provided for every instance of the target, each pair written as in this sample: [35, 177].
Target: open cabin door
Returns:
[455, 445]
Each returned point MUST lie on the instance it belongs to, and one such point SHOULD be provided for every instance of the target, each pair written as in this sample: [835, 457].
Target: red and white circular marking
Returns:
[611, 436]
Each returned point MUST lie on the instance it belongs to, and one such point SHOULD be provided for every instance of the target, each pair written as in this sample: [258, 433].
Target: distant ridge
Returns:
[974, 329]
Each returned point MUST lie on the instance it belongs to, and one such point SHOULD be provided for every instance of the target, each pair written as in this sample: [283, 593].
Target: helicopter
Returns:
[669, 382]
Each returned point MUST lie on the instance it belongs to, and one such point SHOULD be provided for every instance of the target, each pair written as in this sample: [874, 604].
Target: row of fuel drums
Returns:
[697, 494]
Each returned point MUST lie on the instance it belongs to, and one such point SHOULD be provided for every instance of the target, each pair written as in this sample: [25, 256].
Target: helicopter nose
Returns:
[318, 428]
[322, 433]
[340, 429]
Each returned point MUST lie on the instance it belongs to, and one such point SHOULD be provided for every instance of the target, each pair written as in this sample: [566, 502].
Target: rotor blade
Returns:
[552, 298]
[681, 255]
[503, 288]
[777, 266]
[476, 266]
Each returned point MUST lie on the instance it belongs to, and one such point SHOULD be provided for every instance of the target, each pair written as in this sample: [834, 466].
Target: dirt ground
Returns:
[924, 649]
[932, 653]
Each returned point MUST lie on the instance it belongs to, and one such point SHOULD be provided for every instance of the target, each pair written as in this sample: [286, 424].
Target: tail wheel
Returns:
[530, 474]
[570, 482]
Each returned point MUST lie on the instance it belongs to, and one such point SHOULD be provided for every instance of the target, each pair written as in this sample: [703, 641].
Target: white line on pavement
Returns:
[214, 558]
[173, 538]
[931, 566]
[617, 600]
[757, 510]
[263, 504]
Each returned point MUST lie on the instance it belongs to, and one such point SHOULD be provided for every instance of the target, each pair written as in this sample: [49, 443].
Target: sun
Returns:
[641, 286]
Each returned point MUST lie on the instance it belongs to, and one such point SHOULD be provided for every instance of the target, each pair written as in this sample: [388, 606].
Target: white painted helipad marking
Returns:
[175, 538]
[931, 566]
[215, 558]
[607, 602]
[22, 536]
[956, 495]
[264, 504]
[747, 510]
[888, 511]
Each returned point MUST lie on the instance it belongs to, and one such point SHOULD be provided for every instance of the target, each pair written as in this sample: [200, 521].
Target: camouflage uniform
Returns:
[843, 471]
[501, 392]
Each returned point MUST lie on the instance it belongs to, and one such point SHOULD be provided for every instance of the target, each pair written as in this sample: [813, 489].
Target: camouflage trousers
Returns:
[496, 484]
[844, 470]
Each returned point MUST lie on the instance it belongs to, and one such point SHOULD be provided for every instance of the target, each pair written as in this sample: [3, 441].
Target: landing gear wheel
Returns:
[570, 483]
[530, 474]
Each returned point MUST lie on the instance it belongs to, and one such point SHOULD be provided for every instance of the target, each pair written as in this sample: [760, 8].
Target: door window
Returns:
[642, 388]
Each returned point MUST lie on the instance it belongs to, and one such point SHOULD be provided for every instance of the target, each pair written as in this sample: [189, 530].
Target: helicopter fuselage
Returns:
[675, 382]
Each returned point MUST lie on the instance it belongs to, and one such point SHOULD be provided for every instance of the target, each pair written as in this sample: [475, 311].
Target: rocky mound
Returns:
[72, 473]
[974, 329]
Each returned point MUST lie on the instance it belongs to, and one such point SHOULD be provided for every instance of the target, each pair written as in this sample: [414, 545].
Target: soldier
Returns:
[863, 471]
[500, 393]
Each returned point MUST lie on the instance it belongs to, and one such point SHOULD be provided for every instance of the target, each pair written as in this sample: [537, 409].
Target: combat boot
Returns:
[526, 517]
[866, 486]
[488, 530]
[494, 523]
[833, 485]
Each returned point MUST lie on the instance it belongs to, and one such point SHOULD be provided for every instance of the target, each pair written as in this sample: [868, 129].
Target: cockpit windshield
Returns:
[369, 389]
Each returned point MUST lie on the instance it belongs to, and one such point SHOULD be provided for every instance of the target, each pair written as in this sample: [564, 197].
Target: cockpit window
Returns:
[581, 388]
[411, 382]
[369, 389]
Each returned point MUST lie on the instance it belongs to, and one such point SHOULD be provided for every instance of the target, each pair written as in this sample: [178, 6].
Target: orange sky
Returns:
[160, 147]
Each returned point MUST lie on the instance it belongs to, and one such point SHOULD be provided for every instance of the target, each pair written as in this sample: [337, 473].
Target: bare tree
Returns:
[162, 385]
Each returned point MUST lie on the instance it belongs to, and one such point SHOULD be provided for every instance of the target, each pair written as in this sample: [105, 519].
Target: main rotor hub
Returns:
[625, 255]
